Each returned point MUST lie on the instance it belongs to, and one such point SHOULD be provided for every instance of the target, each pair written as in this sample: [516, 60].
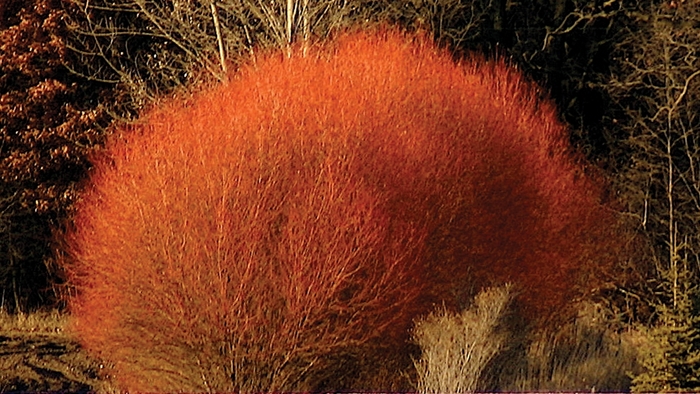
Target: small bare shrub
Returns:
[455, 348]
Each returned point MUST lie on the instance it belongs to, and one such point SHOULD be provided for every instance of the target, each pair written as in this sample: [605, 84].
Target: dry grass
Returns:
[591, 354]
[50, 323]
[36, 354]
[478, 350]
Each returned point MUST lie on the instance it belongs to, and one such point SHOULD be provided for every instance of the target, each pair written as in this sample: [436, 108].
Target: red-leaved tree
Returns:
[283, 230]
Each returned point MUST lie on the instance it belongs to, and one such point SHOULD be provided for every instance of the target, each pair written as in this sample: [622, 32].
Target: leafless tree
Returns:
[656, 86]
[151, 47]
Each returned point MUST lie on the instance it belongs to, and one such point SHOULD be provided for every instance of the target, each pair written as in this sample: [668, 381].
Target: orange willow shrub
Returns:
[272, 231]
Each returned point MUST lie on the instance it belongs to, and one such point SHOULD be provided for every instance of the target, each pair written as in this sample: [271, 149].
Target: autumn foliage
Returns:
[277, 231]
[49, 123]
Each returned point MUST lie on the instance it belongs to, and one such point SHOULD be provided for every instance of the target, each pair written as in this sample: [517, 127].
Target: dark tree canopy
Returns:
[49, 122]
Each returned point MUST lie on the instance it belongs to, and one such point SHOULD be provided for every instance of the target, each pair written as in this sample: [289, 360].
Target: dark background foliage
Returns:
[49, 121]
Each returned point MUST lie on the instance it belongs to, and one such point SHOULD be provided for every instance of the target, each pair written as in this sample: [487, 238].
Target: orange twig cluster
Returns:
[314, 206]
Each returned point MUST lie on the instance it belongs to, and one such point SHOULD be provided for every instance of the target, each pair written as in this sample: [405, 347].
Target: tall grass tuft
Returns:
[268, 232]
[590, 353]
[456, 348]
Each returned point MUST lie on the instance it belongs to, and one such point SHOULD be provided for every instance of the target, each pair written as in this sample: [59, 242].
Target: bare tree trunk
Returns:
[306, 26]
[219, 40]
[290, 22]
